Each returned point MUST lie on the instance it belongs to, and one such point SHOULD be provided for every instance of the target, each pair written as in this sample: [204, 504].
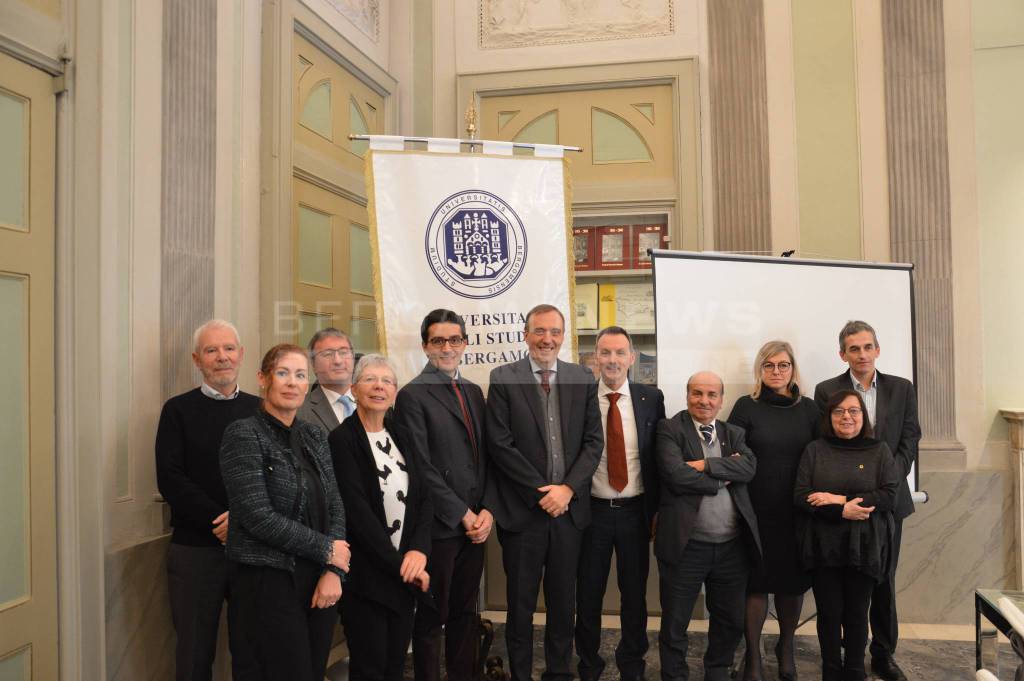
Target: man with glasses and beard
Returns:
[444, 412]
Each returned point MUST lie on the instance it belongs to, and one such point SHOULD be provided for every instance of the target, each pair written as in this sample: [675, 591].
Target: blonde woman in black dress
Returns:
[779, 423]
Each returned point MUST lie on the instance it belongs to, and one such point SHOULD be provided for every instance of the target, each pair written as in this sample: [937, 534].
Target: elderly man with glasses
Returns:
[330, 402]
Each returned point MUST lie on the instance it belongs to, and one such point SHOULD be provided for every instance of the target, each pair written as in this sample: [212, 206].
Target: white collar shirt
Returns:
[334, 399]
[214, 394]
[536, 369]
[869, 394]
[599, 486]
[714, 433]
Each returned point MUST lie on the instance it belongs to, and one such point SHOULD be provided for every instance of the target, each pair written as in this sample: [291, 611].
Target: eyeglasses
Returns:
[854, 412]
[541, 332]
[340, 353]
[454, 341]
[770, 367]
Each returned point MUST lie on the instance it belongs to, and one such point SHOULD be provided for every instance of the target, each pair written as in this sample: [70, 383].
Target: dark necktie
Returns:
[465, 418]
[545, 380]
[707, 432]
[615, 442]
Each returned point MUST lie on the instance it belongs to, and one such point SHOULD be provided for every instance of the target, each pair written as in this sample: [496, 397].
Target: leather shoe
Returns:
[887, 669]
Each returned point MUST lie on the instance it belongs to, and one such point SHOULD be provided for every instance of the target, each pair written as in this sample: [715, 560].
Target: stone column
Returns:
[739, 126]
[919, 205]
[1015, 417]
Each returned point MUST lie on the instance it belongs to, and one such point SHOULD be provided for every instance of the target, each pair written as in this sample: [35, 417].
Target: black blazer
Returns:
[428, 408]
[374, 570]
[648, 409]
[896, 424]
[317, 410]
[683, 488]
[518, 452]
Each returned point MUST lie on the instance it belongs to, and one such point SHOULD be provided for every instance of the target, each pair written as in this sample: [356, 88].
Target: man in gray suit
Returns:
[330, 401]
[544, 440]
[707, 533]
[892, 410]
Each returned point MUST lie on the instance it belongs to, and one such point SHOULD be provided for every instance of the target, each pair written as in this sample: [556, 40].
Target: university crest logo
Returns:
[475, 244]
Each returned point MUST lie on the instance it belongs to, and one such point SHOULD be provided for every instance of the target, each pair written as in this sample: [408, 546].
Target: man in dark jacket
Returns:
[188, 476]
[544, 441]
[707, 533]
[892, 409]
[444, 413]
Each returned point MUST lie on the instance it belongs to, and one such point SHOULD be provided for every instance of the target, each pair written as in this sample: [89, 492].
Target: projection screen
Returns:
[713, 312]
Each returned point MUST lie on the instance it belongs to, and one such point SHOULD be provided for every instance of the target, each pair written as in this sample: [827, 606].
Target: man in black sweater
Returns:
[188, 476]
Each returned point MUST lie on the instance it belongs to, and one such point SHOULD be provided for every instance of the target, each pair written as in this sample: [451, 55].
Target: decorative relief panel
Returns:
[527, 23]
[364, 15]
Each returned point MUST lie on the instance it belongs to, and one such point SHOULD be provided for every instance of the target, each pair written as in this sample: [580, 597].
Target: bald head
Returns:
[704, 392]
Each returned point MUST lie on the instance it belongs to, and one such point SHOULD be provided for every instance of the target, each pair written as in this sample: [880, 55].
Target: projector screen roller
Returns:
[713, 312]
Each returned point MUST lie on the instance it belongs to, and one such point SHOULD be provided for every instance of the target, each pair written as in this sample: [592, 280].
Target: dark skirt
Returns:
[781, 571]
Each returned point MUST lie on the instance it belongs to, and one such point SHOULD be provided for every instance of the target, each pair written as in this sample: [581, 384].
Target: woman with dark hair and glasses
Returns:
[845, 489]
[286, 546]
[779, 423]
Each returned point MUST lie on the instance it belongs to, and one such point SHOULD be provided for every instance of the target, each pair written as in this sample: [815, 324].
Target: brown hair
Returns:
[837, 399]
[275, 354]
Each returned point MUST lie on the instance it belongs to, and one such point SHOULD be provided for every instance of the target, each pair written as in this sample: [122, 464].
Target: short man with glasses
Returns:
[545, 440]
[330, 401]
[892, 409]
[445, 413]
[188, 476]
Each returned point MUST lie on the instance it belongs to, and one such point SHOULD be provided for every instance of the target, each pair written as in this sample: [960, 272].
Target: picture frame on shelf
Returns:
[613, 248]
[647, 238]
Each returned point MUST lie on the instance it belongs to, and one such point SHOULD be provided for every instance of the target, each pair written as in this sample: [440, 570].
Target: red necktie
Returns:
[545, 380]
[466, 419]
[615, 442]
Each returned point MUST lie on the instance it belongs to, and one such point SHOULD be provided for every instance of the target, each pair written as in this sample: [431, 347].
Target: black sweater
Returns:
[862, 467]
[188, 461]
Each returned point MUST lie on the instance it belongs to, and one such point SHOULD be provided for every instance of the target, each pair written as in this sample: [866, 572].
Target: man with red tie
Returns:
[623, 504]
[445, 414]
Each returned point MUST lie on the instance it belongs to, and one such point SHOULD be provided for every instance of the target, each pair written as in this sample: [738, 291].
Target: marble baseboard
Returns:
[962, 539]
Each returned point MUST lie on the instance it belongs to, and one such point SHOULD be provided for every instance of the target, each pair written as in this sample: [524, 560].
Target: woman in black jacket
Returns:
[286, 540]
[389, 523]
[779, 423]
[845, 488]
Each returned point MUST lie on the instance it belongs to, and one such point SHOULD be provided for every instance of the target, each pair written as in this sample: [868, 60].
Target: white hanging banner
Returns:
[387, 142]
[447, 145]
[498, 147]
[485, 236]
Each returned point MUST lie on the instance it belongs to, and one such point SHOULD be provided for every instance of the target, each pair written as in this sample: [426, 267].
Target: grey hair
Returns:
[213, 324]
[853, 327]
[329, 332]
[371, 360]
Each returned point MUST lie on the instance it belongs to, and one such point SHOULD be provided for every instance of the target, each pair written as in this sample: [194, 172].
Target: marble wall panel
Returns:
[962, 539]
[140, 636]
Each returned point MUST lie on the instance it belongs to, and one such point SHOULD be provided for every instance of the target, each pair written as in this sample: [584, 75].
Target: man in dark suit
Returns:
[623, 502]
[329, 402]
[892, 408]
[444, 413]
[544, 441]
[707, 532]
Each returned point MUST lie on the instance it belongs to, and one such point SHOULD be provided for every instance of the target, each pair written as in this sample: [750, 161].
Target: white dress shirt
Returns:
[599, 486]
[215, 394]
[334, 399]
[869, 394]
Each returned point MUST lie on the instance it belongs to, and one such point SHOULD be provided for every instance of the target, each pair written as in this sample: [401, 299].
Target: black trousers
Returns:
[377, 637]
[455, 566]
[722, 569]
[885, 625]
[288, 639]
[841, 595]
[197, 583]
[623, 530]
[547, 550]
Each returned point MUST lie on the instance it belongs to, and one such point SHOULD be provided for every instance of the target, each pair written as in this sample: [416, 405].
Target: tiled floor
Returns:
[926, 652]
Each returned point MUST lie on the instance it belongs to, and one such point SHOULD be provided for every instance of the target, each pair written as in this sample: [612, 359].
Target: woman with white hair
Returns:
[389, 525]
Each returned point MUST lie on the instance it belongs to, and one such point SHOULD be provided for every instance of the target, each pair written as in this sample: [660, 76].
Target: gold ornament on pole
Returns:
[471, 122]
